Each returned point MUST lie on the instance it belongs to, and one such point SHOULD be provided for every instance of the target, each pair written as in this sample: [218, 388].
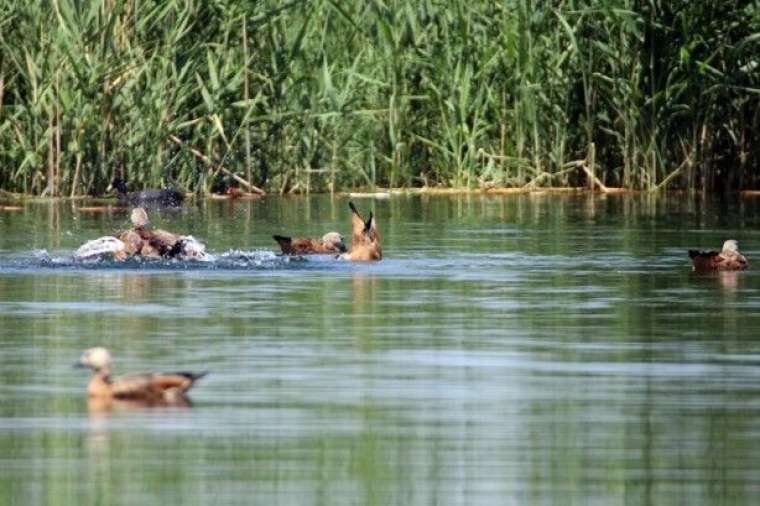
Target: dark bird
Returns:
[151, 198]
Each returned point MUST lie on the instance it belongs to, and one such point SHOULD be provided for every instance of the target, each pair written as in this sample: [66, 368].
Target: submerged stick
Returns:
[589, 166]
[686, 163]
[549, 175]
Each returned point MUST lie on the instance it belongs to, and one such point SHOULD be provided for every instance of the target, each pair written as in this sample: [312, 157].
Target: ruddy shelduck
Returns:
[143, 241]
[365, 238]
[330, 243]
[149, 388]
[728, 259]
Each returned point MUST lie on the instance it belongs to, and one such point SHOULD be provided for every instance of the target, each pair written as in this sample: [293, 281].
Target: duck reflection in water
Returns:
[141, 390]
[728, 281]
[97, 405]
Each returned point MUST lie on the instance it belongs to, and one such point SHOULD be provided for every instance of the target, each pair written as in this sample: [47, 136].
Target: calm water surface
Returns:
[536, 349]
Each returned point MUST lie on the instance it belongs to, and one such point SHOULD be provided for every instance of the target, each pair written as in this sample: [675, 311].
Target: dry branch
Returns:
[205, 159]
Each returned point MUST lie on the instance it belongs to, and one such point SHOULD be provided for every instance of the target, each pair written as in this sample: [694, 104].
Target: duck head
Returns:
[731, 246]
[118, 185]
[139, 218]
[365, 238]
[335, 241]
[98, 359]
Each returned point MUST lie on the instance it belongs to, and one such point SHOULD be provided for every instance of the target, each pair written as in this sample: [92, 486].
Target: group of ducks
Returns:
[145, 242]
[169, 389]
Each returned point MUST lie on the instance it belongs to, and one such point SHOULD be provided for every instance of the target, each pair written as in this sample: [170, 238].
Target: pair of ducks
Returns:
[365, 241]
[169, 389]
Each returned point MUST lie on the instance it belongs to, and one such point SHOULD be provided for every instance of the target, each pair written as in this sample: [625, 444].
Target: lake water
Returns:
[534, 349]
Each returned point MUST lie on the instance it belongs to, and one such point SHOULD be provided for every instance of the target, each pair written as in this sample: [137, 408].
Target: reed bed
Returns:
[325, 95]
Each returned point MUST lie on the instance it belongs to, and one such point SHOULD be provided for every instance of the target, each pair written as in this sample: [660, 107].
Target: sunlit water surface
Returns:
[542, 349]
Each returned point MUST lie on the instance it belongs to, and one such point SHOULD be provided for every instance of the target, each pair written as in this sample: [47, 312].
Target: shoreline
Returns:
[12, 199]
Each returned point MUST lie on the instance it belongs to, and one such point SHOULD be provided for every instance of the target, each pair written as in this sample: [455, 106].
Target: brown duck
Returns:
[728, 259]
[330, 243]
[148, 242]
[148, 388]
[365, 238]
[141, 240]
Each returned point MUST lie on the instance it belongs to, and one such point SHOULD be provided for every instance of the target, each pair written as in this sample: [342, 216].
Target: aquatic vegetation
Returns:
[324, 95]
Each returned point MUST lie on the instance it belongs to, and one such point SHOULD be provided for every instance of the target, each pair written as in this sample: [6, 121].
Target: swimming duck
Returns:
[365, 239]
[165, 197]
[155, 242]
[143, 241]
[331, 242]
[152, 388]
[728, 259]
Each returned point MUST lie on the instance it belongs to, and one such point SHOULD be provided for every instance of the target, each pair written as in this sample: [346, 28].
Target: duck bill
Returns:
[79, 365]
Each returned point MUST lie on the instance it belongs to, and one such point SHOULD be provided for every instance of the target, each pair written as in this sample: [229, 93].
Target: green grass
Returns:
[322, 95]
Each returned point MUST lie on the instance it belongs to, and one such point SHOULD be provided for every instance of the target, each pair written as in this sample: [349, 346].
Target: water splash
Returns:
[229, 260]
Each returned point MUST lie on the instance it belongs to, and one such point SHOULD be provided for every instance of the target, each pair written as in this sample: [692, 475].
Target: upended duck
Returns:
[728, 259]
[365, 238]
[330, 243]
[152, 197]
[149, 389]
[143, 241]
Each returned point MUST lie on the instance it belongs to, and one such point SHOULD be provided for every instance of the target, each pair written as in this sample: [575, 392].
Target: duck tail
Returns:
[192, 376]
[284, 242]
[693, 253]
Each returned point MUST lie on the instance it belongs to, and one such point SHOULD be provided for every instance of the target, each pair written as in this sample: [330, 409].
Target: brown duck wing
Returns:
[309, 247]
[732, 262]
[151, 385]
[165, 237]
[132, 386]
[357, 226]
[302, 246]
[705, 260]
[160, 242]
[163, 241]
[132, 242]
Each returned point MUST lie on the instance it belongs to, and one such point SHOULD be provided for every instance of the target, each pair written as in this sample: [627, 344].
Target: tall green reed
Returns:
[324, 95]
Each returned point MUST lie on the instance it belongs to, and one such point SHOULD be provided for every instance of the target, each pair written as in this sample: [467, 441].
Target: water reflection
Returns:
[526, 349]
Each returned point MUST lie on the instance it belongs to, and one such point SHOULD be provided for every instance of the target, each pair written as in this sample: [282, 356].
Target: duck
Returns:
[152, 388]
[331, 242]
[365, 238]
[143, 241]
[728, 259]
[152, 197]
[155, 242]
